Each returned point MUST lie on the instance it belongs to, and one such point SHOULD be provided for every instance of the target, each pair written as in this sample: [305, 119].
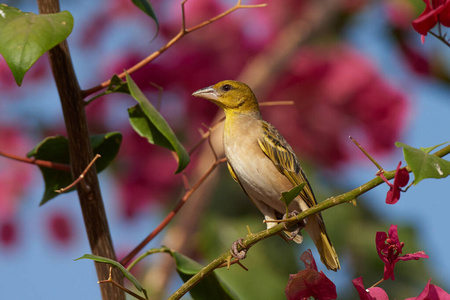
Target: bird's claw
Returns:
[234, 249]
[294, 229]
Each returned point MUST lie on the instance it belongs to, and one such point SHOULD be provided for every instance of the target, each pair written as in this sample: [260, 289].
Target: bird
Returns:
[264, 164]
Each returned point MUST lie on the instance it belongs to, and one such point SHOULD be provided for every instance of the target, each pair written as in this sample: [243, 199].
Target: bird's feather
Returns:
[281, 154]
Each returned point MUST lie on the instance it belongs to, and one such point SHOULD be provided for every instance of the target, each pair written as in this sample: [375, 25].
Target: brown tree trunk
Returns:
[80, 155]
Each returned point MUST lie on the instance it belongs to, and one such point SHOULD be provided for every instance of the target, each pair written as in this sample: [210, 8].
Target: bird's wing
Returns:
[281, 154]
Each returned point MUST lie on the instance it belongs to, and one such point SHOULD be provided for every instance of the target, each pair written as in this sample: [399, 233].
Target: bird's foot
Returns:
[294, 229]
[234, 249]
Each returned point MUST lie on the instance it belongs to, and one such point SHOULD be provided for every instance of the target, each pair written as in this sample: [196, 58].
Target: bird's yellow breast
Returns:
[250, 165]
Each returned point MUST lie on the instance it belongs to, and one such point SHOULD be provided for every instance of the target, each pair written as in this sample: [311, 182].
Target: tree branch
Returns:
[184, 31]
[257, 237]
[80, 155]
[37, 162]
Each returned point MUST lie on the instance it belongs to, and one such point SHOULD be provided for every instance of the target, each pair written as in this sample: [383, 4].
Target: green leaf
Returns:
[423, 164]
[56, 149]
[211, 287]
[107, 145]
[117, 85]
[25, 36]
[429, 149]
[147, 8]
[149, 123]
[125, 272]
[289, 196]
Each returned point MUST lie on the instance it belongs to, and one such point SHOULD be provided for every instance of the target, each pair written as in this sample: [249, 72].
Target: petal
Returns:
[359, 286]
[380, 241]
[375, 293]
[444, 16]
[401, 177]
[411, 256]
[431, 292]
[378, 293]
[309, 260]
[385, 179]
[392, 196]
[393, 235]
[426, 21]
[389, 270]
[310, 283]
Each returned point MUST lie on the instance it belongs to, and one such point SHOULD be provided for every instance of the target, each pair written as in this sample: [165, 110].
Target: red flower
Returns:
[401, 179]
[309, 282]
[374, 293]
[60, 228]
[435, 11]
[8, 232]
[389, 249]
[432, 292]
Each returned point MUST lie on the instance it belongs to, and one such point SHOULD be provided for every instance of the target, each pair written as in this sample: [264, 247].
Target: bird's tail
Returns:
[316, 230]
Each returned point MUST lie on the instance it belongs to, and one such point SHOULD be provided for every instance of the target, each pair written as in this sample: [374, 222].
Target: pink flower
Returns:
[309, 282]
[435, 11]
[401, 179]
[60, 228]
[389, 249]
[8, 232]
[374, 293]
[341, 88]
[432, 292]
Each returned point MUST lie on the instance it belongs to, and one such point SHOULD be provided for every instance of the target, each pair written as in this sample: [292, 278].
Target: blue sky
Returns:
[39, 270]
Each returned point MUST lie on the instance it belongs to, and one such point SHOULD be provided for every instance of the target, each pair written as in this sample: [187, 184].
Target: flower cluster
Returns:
[436, 11]
[311, 283]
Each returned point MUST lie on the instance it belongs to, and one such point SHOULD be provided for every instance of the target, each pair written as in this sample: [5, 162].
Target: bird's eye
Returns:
[226, 87]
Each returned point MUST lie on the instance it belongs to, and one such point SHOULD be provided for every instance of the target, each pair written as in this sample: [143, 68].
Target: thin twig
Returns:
[377, 283]
[172, 214]
[206, 135]
[440, 38]
[380, 168]
[80, 178]
[38, 162]
[110, 280]
[184, 31]
[274, 103]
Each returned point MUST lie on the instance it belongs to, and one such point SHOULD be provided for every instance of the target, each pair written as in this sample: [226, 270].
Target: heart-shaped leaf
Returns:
[25, 36]
[211, 287]
[149, 123]
[424, 165]
[56, 149]
[289, 196]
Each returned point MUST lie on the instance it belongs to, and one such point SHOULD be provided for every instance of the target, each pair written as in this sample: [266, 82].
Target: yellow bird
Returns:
[264, 164]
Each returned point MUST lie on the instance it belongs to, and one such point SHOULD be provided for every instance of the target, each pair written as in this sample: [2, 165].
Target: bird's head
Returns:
[231, 96]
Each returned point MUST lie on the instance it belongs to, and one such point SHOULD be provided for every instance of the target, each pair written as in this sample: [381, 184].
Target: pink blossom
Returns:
[309, 282]
[389, 249]
[432, 292]
[373, 293]
[401, 179]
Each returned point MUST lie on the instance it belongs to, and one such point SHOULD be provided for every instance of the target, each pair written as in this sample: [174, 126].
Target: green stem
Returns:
[255, 238]
[147, 253]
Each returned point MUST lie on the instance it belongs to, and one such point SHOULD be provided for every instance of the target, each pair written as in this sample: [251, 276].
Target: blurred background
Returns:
[352, 67]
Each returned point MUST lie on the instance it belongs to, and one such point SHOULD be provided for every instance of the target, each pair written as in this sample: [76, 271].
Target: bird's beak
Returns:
[208, 93]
